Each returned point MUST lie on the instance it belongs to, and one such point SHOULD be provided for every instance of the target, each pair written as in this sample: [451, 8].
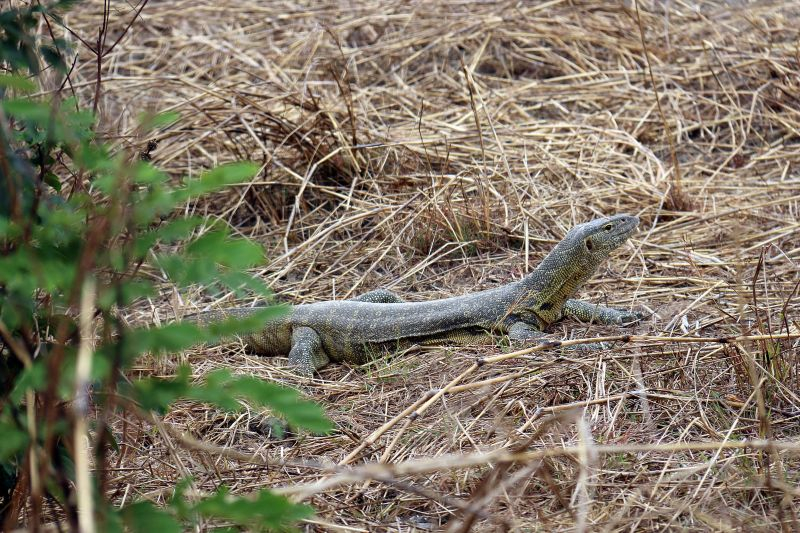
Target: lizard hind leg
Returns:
[307, 353]
[379, 296]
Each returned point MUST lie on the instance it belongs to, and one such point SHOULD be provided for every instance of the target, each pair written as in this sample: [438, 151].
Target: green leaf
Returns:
[263, 510]
[151, 204]
[144, 517]
[125, 293]
[112, 517]
[13, 442]
[241, 254]
[240, 282]
[95, 158]
[283, 400]
[216, 179]
[167, 233]
[53, 57]
[178, 501]
[156, 394]
[19, 83]
[179, 228]
[167, 338]
[53, 181]
[209, 244]
[184, 271]
[249, 324]
[8, 229]
[26, 109]
[221, 388]
[146, 174]
[217, 246]
[216, 391]
[208, 254]
[31, 378]
[151, 121]
[224, 390]
[78, 123]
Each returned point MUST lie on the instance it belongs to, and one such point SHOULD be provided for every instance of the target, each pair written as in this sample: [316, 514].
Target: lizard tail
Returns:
[274, 338]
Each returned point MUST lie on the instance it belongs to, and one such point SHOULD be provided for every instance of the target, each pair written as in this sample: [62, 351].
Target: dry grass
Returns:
[442, 147]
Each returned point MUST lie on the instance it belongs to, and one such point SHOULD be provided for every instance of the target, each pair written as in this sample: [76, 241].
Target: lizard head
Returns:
[594, 240]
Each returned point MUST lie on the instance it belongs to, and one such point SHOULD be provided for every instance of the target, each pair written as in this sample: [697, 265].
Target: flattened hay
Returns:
[438, 148]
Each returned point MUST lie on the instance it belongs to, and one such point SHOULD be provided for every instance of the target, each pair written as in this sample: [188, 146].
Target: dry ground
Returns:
[442, 147]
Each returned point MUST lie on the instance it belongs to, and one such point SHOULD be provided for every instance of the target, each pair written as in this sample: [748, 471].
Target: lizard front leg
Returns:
[598, 314]
[307, 353]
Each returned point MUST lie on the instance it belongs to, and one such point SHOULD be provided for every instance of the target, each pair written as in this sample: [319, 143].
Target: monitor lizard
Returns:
[354, 331]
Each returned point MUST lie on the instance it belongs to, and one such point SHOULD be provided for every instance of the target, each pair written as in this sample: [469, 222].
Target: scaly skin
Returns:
[355, 331]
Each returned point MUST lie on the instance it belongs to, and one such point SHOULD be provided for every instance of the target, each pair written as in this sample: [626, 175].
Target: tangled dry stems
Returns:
[442, 148]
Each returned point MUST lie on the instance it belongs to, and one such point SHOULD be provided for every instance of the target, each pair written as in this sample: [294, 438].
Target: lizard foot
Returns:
[628, 318]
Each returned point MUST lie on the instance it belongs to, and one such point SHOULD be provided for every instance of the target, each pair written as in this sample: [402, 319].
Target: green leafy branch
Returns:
[78, 223]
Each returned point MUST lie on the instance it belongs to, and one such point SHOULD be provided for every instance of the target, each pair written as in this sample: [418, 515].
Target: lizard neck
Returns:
[544, 291]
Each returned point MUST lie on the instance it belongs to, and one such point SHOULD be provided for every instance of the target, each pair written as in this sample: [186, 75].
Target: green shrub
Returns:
[76, 225]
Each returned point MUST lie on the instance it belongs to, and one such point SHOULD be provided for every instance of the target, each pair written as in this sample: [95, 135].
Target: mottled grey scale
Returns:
[355, 330]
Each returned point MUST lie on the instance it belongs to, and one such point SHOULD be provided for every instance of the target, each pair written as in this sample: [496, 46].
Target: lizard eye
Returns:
[608, 227]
